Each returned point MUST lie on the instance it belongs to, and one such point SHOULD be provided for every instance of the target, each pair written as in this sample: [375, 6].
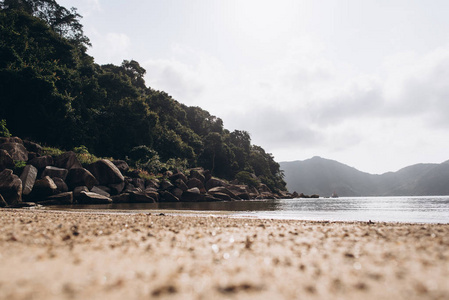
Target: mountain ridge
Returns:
[323, 176]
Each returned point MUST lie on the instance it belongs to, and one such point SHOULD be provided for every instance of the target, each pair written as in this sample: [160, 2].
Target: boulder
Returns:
[266, 195]
[106, 172]
[28, 177]
[138, 183]
[32, 155]
[12, 139]
[33, 147]
[67, 160]
[53, 172]
[3, 202]
[141, 197]
[177, 176]
[223, 190]
[121, 165]
[207, 175]
[80, 177]
[193, 195]
[59, 199]
[6, 161]
[122, 198]
[41, 162]
[152, 183]
[10, 187]
[152, 193]
[177, 192]
[62, 186]
[239, 190]
[43, 188]
[166, 185]
[167, 197]
[195, 182]
[100, 191]
[16, 150]
[197, 173]
[93, 198]
[222, 196]
[263, 188]
[77, 191]
[214, 182]
[116, 188]
[180, 184]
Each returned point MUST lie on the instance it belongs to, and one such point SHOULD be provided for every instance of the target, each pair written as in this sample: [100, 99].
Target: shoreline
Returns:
[49, 254]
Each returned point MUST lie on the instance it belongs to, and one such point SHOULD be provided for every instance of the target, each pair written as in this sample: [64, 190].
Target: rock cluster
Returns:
[63, 180]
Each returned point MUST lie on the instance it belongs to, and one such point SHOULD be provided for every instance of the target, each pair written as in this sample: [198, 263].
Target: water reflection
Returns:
[387, 209]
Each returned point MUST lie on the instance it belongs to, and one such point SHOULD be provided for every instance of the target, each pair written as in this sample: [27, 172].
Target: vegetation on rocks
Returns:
[53, 92]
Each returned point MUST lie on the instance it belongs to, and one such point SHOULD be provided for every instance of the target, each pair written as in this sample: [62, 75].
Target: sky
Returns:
[365, 83]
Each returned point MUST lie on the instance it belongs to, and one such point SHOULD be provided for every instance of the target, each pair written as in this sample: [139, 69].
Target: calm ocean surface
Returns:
[431, 209]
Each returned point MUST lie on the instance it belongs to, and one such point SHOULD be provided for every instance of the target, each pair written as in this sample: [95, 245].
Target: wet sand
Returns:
[90, 255]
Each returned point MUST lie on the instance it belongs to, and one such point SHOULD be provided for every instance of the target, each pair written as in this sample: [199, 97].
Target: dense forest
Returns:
[53, 92]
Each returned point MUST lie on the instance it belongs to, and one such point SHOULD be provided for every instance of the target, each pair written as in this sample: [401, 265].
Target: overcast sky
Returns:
[362, 82]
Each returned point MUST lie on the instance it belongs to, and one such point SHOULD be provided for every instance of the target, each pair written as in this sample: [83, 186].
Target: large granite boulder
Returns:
[122, 198]
[92, 198]
[195, 182]
[6, 161]
[67, 160]
[43, 188]
[166, 185]
[193, 195]
[80, 177]
[214, 182]
[10, 187]
[223, 190]
[116, 188]
[12, 139]
[198, 174]
[33, 147]
[28, 177]
[138, 183]
[16, 150]
[152, 193]
[61, 185]
[59, 199]
[100, 191]
[152, 183]
[121, 165]
[179, 183]
[167, 197]
[42, 162]
[53, 172]
[106, 172]
[140, 197]
[221, 196]
[239, 190]
[177, 176]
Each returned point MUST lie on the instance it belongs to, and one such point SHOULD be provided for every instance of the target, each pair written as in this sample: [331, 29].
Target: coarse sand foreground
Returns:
[88, 255]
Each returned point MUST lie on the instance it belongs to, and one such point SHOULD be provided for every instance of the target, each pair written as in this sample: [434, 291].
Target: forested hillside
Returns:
[53, 92]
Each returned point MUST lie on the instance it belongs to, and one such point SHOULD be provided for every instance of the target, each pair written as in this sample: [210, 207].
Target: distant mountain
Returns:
[324, 177]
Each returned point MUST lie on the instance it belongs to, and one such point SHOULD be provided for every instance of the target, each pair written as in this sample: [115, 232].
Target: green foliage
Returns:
[52, 151]
[19, 165]
[83, 155]
[52, 91]
[4, 132]
[247, 178]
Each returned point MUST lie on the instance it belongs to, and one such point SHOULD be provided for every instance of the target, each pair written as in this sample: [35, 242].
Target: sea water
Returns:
[430, 209]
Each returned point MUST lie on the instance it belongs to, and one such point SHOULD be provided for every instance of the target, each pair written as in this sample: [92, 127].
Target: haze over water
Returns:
[429, 209]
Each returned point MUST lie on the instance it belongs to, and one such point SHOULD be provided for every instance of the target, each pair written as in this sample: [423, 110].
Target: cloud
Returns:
[112, 47]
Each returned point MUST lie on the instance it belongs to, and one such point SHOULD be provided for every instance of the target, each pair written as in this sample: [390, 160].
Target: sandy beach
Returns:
[96, 255]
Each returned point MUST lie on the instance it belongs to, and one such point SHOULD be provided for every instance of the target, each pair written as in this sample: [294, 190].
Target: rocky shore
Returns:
[63, 180]
[70, 255]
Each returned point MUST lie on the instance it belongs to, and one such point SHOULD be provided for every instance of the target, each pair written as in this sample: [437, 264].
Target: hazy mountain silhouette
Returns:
[323, 177]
